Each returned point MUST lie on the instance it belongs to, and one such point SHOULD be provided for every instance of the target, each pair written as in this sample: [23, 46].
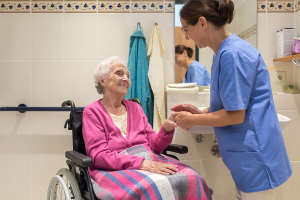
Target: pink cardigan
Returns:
[104, 141]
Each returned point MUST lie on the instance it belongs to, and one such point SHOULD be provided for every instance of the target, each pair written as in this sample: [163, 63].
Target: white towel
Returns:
[182, 90]
[182, 85]
[156, 77]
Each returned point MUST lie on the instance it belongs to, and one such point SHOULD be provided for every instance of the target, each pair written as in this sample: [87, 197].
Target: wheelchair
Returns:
[75, 182]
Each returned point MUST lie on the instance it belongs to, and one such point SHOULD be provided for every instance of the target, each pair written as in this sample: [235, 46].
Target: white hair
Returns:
[103, 70]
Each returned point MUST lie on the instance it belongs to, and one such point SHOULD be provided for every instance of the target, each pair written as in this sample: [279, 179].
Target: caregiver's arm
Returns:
[219, 118]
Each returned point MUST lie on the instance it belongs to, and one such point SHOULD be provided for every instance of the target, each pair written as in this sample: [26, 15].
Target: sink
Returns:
[283, 121]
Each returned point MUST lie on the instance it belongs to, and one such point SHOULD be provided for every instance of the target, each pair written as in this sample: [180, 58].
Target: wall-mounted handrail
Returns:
[23, 108]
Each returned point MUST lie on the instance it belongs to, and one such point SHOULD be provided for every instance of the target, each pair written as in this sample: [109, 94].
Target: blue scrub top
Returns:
[197, 73]
[253, 151]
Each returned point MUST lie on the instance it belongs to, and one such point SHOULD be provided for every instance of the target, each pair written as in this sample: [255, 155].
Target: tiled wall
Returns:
[46, 58]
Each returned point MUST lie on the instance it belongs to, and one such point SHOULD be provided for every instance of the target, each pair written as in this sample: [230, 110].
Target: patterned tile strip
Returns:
[78, 6]
[169, 6]
[14, 6]
[113, 6]
[249, 32]
[287, 6]
[297, 6]
[261, 6]
[147, 6]
[47, 6]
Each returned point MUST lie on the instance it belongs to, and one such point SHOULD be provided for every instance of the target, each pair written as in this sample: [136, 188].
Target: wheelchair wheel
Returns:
[63, 186]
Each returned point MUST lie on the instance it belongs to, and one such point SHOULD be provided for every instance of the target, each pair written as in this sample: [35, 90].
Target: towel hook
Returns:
[156, 24]
[138, 25]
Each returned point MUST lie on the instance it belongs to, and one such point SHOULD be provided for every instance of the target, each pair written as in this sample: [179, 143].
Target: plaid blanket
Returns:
[139, 184]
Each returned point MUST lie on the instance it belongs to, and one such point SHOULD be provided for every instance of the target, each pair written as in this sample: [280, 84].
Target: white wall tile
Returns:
[261, 34]
[287, 101]
[291, 134]
[169, 37]
[297, 77]
[80, 36]
[15, 175]
[188, 139]
[47, 83]
[283, 66]
[206, 58]
[297, 23]
[218, 178]
[113, 35]
[15, 36]
[49, 123]
[47, 36]
[14, 83]
[44, 167]
[275, 22]
[14, 123]
[290, 189]
[79, 82]
[147, 21]
[246, 16]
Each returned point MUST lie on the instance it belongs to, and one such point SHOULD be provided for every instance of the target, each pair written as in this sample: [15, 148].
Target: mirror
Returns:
[244, 25]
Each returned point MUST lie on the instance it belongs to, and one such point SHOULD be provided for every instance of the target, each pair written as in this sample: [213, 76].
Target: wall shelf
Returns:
[288, 58]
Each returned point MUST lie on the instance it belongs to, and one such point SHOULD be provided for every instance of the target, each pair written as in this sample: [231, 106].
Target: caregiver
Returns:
[242, 109]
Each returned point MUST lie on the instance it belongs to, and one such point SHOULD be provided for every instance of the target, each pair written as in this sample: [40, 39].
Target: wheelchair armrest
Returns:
[176, 148]
[79, 159]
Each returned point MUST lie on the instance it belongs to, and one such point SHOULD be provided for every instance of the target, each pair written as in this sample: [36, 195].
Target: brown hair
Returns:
[180, 48]
[218, 12]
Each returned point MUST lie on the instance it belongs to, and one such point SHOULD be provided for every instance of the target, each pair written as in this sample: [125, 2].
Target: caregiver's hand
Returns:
[158, 167]
[169, 124]
[183, 119]
[187, 107]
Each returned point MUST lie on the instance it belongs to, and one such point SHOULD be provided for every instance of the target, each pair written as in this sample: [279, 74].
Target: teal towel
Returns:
[138, 68]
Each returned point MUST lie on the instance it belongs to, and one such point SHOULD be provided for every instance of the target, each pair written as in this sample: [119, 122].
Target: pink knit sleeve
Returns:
[97, 148]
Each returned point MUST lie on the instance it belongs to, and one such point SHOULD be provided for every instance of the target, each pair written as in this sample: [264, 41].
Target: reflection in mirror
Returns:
[244, 25]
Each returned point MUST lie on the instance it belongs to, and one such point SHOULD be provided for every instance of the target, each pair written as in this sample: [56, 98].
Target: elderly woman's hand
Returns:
[158, 167]
[169, 124]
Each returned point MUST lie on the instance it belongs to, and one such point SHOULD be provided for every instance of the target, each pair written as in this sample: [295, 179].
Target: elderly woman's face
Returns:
[118, 80]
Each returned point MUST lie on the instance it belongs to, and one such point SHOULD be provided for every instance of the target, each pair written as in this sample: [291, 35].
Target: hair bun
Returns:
[225, 10]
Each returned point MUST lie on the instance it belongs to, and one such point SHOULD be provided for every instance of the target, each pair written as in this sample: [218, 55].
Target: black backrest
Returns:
[76, 122]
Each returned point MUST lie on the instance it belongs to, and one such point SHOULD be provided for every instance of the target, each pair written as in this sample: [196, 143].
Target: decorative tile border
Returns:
[87, 6]
[80, 6]
[280, 6]
[276, 6]
[47, 6]
[14, 6]
[114, 6]
[297, 6]
[249, 32]
[170, 6]
[261, 6]
[147, 6]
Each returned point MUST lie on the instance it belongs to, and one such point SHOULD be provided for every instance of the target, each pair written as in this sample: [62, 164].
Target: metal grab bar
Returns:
[22, 108]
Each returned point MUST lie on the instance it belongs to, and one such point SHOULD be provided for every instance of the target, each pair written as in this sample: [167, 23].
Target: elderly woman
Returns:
[124, 146]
